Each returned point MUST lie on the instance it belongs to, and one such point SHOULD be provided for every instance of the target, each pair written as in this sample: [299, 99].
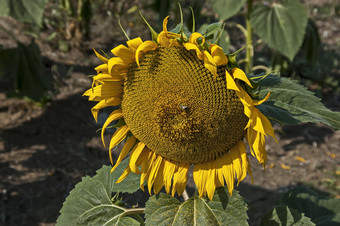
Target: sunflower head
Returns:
[181, 103]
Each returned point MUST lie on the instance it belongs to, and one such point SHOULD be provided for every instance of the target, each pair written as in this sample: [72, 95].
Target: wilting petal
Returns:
[194, 36]
[218, 55]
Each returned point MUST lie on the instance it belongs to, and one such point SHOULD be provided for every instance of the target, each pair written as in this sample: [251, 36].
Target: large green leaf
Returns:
[29, 11]
[283, 215]
[130, 184]
[25, 65]
[227, 8]
[223, 209]
[290, 103]
[321, 209]
[281, 25]
[90, 202]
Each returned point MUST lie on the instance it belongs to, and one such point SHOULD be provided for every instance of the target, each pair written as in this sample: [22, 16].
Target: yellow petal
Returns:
[194, 36]
[154, 170]
[169, 169]
[259, 148]
[135, 154]
[146, 46]
[219, 172]
[258, 102]
[230, 82]
[237, 162]
[199, 178]
[102, 68]
[133, 44]
[267, 126]
[245, 161]
[165, 23]
[283, 166]
[127, 147]
[159, 180]
[209, 63]
[228, 172]
[124, 53]
[107, 90]
[102, 78]
[125, 173]
[210, 185]
[218, 55]
[102, 58]
[168, 39]
[145, 166]
[117, 137]
[300, 159]
[117, 114]
[190, 46]
[239, 74]
[117, 64]
[180, 179]
[114, 101]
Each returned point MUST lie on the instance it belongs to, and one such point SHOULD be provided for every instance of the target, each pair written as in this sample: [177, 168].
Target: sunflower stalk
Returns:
[185, 195]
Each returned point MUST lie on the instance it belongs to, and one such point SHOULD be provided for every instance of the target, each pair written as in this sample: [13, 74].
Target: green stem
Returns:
[133, 211]
[249, 53]
[136, 213]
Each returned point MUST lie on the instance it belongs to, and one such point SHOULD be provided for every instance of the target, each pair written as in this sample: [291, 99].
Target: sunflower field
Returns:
[151, 112]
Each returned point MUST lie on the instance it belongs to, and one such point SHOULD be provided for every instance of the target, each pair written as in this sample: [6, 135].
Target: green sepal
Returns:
[121, 27]
[193, 20]
[255, 80]
[154, 34]
[120, 123]
[232, 62]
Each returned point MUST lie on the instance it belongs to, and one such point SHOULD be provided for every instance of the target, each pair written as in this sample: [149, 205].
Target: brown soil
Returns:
[45, 151]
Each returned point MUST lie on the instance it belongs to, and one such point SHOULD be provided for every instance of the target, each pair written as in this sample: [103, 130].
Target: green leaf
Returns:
[90, 202]
[321, 209]
[290, 103]
[311, 45]
[227, 8]
[283, 215]
[29, 11]
[281, 25]
[223, 209]
[24, 63]
[210, 31]
[130, 184]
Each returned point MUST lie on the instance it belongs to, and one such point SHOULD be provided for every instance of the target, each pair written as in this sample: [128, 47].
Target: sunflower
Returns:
[179, 105]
